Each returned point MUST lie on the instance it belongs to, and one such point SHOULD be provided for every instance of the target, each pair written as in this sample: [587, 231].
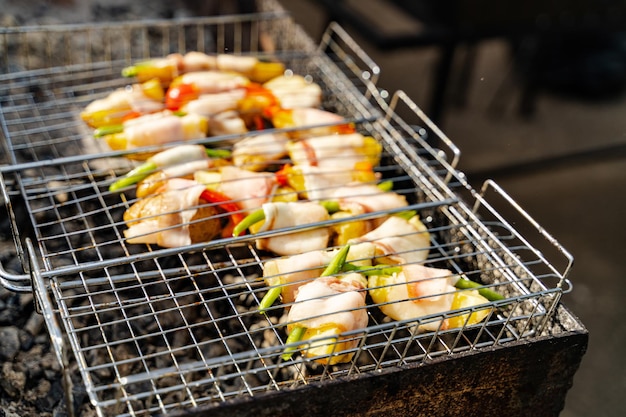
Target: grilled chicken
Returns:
[415, 292]
[279, 215]
[327, 307]
[173, 217]
[290, 272]
[399, 241]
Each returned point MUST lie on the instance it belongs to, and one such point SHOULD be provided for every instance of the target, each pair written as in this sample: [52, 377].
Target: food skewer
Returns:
[168, 68]
[297, 331]
[176, 156]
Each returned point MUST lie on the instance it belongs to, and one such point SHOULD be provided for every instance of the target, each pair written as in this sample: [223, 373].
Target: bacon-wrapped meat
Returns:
[176, 216]
[327, 123]
[418, 291]
[250, 190]
[124, 103]
[295, 91]
[153, 130]
[323, 309]
[286, 274]
[399, 240]
[345, 150]
[257, 152]
[279, 215]
[177, 162]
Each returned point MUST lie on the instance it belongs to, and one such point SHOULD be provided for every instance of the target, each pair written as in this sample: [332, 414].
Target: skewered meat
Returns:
[419, 291]
[173, 217]
[327, 307]
[257, 152]
[369, 197]
[173, 65]
[295, 91]
[122, 103]
[250, 190]
[157, 129]
[330, 123]
[211, 104]
[290, 272]
[398, 240]
[347, 151]
[279, 215]
[179, 161]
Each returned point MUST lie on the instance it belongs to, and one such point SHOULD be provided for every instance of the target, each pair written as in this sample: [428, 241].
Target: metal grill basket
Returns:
[151, 331]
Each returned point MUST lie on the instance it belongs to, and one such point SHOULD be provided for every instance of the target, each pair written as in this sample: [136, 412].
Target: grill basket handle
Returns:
[13, 282]
[491, 187]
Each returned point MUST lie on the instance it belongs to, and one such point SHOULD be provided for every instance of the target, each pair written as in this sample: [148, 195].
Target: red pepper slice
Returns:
[282, 175]
[180, 94]
[225, 203]
[131, 115]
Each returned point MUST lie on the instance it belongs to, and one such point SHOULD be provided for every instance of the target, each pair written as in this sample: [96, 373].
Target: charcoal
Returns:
[13, 381]
[9, 343]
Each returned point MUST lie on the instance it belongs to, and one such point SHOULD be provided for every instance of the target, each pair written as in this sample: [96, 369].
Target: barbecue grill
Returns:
[176, 331]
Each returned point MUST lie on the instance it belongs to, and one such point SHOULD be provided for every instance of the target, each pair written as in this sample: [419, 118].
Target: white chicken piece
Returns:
[164, 218]
[193, 61]
[248, 189]
[294, 91]
[368, 198]
[163, 127]
[211, 104]
[321, 183]
[415, 292]
[279, 215]
[213, 81]
[257, 152]
[327, 123]
[132, 97]
[228, 123]
[399, 241]
[290, 272]
[330, 152]
[326, 307]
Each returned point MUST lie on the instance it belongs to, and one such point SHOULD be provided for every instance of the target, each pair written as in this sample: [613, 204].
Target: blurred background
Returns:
[533, 94]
